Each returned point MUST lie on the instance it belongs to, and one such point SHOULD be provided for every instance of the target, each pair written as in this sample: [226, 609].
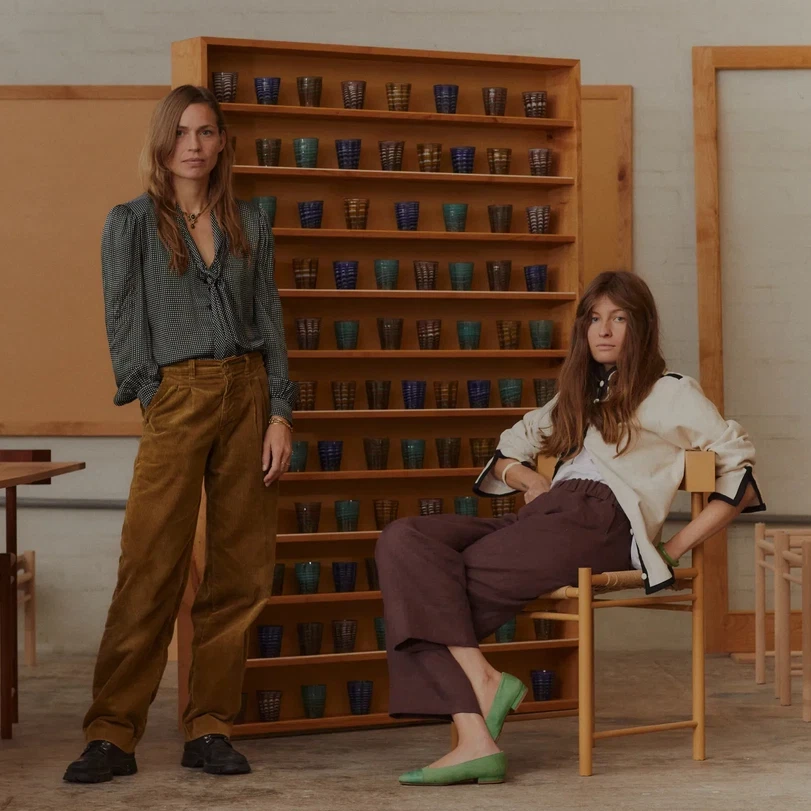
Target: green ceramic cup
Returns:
[510, 390]
[469, 334]
[541, 334]
[386, 273]
[455, 215]
[305, 151]
[461, 274]
[466, 505]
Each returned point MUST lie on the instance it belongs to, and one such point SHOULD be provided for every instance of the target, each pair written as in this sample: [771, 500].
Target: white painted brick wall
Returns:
[645, 43]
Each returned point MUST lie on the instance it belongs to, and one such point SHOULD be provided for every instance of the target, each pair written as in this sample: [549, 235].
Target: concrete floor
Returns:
[759, 754]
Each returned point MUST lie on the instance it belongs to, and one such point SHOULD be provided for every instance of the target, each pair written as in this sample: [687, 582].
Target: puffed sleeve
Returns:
[137, 375]
[521, 442]
[268, 310]
[691, 421]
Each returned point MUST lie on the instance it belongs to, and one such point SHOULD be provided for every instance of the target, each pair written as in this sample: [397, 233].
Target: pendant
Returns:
[192, 223]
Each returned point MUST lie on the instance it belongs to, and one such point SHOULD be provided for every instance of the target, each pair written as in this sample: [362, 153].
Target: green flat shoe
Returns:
[510, 694]
[490, 769]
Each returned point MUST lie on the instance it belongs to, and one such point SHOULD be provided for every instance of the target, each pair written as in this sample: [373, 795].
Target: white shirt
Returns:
[582, 467]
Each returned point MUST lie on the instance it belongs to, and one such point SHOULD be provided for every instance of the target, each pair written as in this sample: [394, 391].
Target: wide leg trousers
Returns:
[206, 423]
[452, 580]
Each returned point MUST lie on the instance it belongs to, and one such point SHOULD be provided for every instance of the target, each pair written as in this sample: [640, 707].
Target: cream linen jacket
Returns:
[675, 417]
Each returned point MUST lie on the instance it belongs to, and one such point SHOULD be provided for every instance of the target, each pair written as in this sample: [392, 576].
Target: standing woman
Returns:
[195, 331]
[619, 426]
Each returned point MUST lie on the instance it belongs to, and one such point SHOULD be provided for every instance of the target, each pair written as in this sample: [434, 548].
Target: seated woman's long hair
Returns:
[639, 366]
[157, 178]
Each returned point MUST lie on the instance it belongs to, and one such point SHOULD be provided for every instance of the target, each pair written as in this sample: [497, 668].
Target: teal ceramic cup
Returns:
[387, 272]
[413, 451]
[313, 697]
[541, 334]
[461, 274]
[455, 215]
[268, 205]
[305, 151]
[466, 505]
[510, 390]
[346, 334]
[308, 575]
[469, 334]
[298, 458]
[380, 633]
[347, 512]
[506, 633]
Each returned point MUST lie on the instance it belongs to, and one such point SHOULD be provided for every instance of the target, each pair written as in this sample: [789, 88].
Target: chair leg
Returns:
[6, 642]
[760, 606]
[806, 618]
[699, 710]
[782, 620]
[31, 610]
[585, 667]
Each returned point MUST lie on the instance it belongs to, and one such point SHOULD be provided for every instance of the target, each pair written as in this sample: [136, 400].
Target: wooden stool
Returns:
[789, 548]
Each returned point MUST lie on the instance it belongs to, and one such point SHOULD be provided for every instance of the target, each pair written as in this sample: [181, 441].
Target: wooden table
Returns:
[13, 474]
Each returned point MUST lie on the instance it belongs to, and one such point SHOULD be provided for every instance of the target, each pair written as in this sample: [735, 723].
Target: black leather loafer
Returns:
[214, 755]
[100, 762]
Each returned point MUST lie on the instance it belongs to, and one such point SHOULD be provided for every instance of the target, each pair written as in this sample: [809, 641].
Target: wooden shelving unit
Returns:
[560, 249]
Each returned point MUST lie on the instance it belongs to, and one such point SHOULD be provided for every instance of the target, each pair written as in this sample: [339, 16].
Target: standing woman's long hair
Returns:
[157, 178]
[639, 366]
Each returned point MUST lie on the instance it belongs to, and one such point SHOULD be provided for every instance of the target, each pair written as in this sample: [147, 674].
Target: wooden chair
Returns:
[789, 548]
[699, 480]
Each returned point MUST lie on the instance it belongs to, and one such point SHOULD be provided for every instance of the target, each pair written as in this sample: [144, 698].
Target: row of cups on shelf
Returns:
[407, 216]
[429, 156]
[426, 274]
[386, 510]
[446, 393]
[353, 94]
[313, 699]
[359, 692]
[376, 453]
[429, 333]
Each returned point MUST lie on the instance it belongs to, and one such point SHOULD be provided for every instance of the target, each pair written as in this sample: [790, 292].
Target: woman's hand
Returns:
[537, 488]
[276, 451]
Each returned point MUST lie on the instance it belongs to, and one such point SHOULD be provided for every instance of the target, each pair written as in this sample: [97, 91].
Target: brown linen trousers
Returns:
[453, 579]
[206, 423]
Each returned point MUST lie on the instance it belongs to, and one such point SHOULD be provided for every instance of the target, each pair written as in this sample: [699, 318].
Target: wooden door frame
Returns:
[727, 631]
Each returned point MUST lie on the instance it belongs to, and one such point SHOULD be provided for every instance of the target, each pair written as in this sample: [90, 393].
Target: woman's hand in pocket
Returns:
[537, 488]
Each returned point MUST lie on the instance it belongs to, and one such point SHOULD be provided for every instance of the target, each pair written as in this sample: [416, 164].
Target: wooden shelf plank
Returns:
[450, 295]
[536, 708]
[321, 724]
[408, 413]
[378, 655]
[443, 119]
[357, 475]
[365, 53]
[325, 597]
[422, 236]
[424, 354]
[320, 537]
[389, 177]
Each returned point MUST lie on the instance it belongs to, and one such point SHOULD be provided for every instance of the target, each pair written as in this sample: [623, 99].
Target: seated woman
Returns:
[619, 427]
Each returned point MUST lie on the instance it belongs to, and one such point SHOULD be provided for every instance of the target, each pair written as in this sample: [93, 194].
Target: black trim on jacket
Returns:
[748, 478]
[483, 475]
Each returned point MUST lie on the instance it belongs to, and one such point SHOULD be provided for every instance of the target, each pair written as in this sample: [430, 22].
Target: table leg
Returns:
[11, 547]
[6, 701]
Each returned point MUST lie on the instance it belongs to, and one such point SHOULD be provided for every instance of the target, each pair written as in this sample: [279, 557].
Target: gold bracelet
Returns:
[276, 420]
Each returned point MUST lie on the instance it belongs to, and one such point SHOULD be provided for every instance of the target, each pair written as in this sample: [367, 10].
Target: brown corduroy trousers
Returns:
[453, 580]
[206, 423]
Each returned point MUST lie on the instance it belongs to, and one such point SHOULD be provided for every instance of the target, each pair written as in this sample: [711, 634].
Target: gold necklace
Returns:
[192, 218]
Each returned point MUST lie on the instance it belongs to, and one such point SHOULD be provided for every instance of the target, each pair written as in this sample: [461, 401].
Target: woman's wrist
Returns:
[277, 420]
